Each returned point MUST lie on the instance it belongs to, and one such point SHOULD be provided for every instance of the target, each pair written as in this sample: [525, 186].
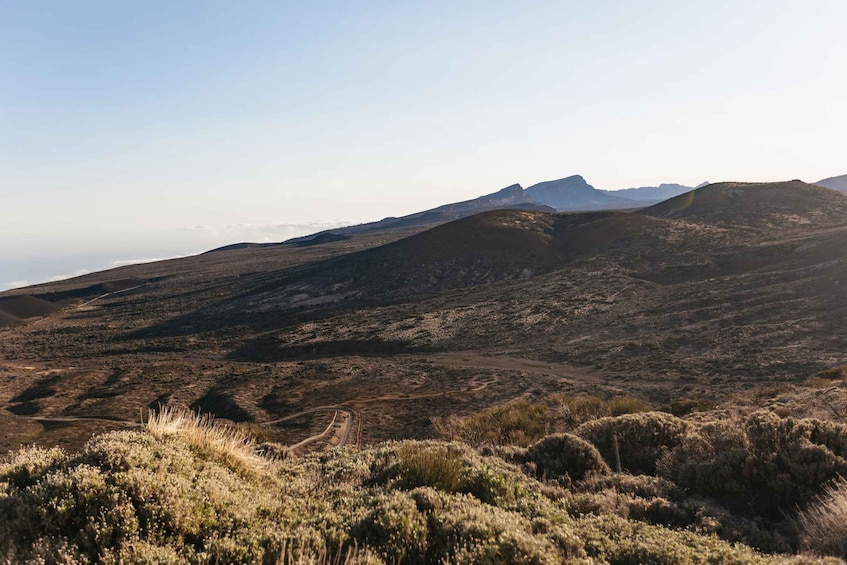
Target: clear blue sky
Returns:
[147, 129]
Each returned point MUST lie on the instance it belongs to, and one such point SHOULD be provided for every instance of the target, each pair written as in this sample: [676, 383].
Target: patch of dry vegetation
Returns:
[516, 423]
[823, 525]
[235, 445]
[189, 490]
[827, 378]
[523, 422]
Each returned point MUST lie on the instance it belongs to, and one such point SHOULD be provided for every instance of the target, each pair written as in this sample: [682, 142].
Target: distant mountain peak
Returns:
[574, 193]
[511, 190]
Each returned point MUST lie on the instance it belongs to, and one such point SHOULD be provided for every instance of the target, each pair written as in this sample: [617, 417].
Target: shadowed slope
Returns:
[13, 308]
[488, 248]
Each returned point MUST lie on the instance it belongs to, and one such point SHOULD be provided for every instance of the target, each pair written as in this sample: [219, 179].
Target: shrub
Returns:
[823, 524]
[709, 460]
[139, 497]
[642, 438]
[560, 455]
[583, 408]
[620, 405]
[395, 527]
[517, 423]
[763, 465]
[624, 542]
[684, 406]
[463, 530]
[29, 465]
[453, 468]
[827, 377]
[818, 382]
[785, 461]
[438, 467]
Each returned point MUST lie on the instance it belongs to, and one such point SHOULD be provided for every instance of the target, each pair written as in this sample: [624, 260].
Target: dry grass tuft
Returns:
[823, 525]
[581, 408]
[204, 434]
[352, 556]
[835, 373]
[517, 423]
[435, 467]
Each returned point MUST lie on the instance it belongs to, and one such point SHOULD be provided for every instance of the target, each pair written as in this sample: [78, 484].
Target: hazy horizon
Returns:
[94, 256]
[125, 127]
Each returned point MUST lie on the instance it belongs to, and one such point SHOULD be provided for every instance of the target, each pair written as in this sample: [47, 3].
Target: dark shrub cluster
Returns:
[764, 465]
[642, 439]
[566, 457]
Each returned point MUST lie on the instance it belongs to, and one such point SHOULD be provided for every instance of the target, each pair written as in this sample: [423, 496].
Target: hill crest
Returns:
[776, 204]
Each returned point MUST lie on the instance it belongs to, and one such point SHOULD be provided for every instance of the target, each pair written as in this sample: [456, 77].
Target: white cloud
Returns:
[305, 226]
[124, 262]
[77, 273]
[14, 284]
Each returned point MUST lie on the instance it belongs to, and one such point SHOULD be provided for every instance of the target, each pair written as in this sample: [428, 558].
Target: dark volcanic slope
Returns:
[778, 205]
[478, 250]
[16, 308]
[489, 248]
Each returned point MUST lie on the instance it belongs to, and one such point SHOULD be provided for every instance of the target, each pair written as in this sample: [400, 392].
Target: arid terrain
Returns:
[664, 385]
[710, 297]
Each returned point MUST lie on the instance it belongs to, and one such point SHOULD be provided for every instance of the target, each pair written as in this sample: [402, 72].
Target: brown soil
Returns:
[701, 305]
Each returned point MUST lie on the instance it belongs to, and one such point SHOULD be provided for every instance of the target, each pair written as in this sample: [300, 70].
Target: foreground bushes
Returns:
[517, 423]
[643, 439]
[169, 495]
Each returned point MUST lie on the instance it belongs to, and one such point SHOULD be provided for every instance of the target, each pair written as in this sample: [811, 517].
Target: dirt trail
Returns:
[72, 419]
[316, 437]
[36, 322]
[471, 360]
[336, 434]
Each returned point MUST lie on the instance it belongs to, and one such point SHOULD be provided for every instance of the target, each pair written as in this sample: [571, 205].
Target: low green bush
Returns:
[566, 457]
[643, 439]
[581, 408]
[517, 423]
[764, 465]
[439, 467]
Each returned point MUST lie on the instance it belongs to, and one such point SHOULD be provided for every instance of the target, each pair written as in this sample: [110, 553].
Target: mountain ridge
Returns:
[567, 194]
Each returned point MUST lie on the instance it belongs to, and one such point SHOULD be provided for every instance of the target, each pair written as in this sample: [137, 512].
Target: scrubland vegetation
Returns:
[185, 489]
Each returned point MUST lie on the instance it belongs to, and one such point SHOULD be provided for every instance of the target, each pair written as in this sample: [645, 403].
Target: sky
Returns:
[144, 130]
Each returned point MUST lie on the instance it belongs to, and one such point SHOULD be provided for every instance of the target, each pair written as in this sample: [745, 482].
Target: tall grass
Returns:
[203, 433]
[823, 525]
[516, 423]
